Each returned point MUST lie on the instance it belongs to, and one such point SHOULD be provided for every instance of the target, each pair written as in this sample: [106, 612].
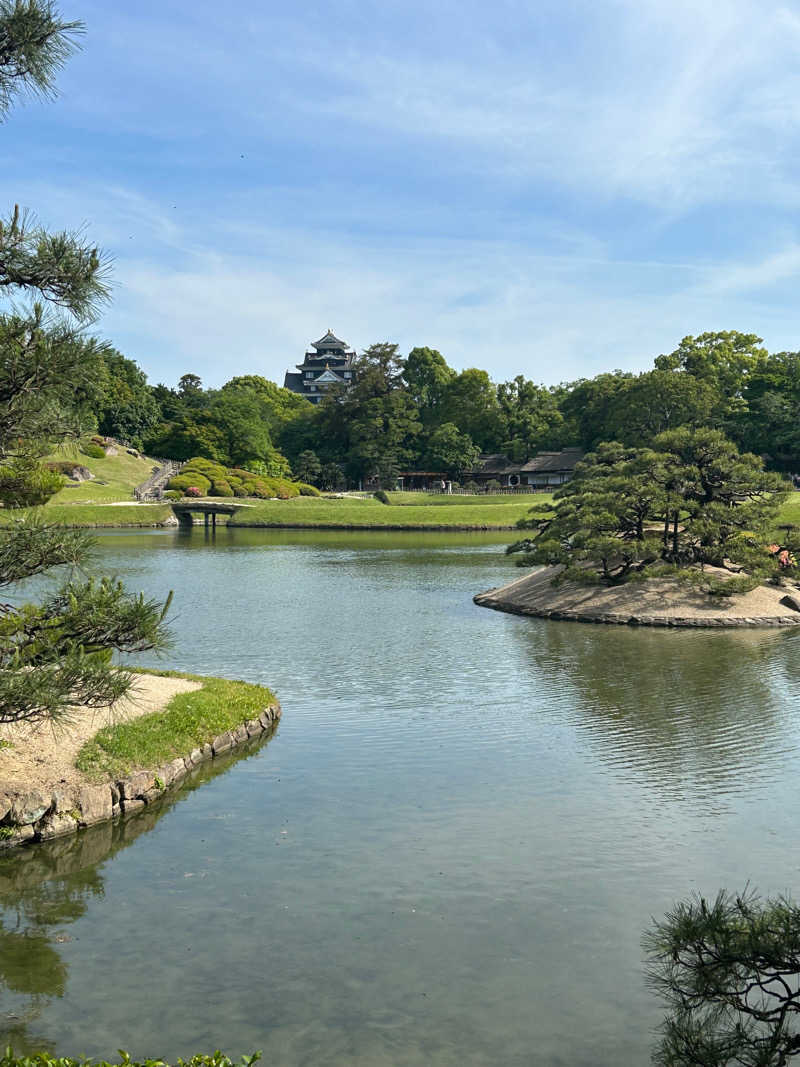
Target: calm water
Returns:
[447, 852]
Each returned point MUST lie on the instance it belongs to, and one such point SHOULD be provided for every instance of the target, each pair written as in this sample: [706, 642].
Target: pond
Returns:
[448, 851]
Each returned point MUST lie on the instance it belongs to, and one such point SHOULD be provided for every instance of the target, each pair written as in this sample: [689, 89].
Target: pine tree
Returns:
[56, 653]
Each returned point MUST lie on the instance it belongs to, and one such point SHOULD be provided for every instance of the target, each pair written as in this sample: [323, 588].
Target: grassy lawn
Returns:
[434, 512]
[790, 512]
[488, 500]
[115, 477]
[98, 515]
[188, 721]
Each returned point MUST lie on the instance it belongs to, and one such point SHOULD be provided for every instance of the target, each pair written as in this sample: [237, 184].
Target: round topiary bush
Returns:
[193, 490]
[221, 487]
[239, 490]
[383, 496]
[173, 494]
[92, 450]
[183, 481]
[309, 490]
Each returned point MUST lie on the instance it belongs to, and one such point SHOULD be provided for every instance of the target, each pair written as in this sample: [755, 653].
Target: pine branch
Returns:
[35, 43]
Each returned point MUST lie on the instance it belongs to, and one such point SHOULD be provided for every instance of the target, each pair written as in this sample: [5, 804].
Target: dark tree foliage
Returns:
[56, 653]
[691, 499]
[127, 408]
[374, 426]
[729, 971]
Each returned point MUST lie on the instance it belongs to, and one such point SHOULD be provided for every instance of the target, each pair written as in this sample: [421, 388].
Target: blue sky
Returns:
[552, 189]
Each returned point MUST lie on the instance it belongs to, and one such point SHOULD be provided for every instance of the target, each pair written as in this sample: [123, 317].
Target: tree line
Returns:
[417, 412]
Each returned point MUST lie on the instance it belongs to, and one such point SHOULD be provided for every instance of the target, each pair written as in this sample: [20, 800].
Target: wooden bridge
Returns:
[209, 509]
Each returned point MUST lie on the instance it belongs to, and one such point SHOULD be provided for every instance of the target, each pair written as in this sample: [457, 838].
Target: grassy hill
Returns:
[115, 477]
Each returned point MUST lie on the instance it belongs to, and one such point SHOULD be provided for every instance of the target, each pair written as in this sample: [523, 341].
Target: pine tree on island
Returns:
[688, 502]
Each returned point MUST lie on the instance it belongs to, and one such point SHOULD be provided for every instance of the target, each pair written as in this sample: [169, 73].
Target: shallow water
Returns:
[447, 852]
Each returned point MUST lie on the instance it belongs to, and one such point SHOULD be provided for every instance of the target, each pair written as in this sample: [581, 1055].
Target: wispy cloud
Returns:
[552, 188]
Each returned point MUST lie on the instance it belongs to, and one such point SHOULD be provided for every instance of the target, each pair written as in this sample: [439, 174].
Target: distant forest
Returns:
[415, 412]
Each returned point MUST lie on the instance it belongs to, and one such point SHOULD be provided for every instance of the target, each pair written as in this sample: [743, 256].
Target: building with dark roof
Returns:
[327, 363]
[545, 469]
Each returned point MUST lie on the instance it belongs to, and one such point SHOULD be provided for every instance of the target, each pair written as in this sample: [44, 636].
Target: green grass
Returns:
[91, 515]
[115, 477]
[188, 721]
[473, 512]
[489, 500]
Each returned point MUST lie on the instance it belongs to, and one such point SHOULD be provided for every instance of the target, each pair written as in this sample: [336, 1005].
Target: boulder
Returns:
[30, 807]
[56, 825]
[222, 743]
[137, 785]
[790, 601]
[95, 803]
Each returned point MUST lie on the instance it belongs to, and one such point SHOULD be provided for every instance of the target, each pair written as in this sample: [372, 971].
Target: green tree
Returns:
[729, 971]
[659, 400]
[427, 377]
[531, 418]
[603, 519]
[127, 408]
[691, 499]
[724, 361]
[376, 423]
[190, 388]
[55, 653]
[589, 405]
[470, 402]
[307, 468]
[450, 451]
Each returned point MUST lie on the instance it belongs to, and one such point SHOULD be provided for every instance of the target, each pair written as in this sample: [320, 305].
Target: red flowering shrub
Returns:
[194, 491]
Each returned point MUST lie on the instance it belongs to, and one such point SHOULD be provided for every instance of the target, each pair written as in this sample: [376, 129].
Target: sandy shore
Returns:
[44, 755]
[656, 602]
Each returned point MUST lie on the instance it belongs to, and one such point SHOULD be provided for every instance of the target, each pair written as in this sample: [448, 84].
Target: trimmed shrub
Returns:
[239, 490]
[383, 496]
[173, 494]
[309, 490]
[193, 491]
[92, 450]
[221, 488]
[98, 440]
[62, 466]
[183, 481]
[493, 485]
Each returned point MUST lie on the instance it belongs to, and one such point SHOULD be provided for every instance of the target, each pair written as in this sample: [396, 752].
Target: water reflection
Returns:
[696, 714]
[46, 887]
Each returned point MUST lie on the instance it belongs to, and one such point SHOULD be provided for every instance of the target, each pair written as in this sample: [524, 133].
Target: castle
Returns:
[328, 363]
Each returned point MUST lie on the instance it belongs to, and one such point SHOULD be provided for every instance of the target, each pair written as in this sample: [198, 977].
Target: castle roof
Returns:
[330, 340]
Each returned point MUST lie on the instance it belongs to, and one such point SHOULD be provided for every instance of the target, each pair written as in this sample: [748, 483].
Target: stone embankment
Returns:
[655, 602]
[38, 814]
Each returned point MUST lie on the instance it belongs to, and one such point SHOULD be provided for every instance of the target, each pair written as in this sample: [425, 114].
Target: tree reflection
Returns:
[688, 710]
[46, 887]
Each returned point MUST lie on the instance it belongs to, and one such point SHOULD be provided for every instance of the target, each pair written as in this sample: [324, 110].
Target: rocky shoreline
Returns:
[37, 814]
[655, 602]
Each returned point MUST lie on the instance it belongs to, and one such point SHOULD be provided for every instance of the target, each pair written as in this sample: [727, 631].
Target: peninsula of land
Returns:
[56, 778]
[651, 602]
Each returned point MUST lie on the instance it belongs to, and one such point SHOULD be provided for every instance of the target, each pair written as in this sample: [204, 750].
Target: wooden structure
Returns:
[328, 365]
[209, 509]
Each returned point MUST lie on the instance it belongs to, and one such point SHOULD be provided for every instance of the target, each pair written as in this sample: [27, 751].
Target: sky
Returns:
[545, 188]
